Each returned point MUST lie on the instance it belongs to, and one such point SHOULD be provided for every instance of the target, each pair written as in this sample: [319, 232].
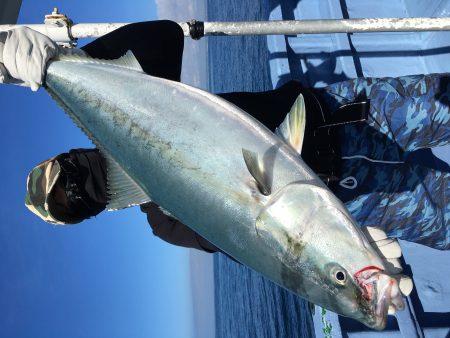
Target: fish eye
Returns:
[338, 275]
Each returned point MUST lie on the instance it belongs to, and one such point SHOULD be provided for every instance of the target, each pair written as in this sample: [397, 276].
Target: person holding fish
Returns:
[360, 138]
[264, 206]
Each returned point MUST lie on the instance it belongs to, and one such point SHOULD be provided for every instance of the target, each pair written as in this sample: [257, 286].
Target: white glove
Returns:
[24, 54]
[390, 251]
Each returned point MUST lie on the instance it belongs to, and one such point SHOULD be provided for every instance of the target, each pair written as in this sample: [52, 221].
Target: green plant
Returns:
[327, 327]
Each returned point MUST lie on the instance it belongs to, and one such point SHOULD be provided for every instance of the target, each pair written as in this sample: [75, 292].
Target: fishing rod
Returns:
[62, 30]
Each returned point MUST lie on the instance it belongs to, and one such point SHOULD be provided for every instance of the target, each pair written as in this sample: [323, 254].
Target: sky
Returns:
[105, 277]
[109, 276]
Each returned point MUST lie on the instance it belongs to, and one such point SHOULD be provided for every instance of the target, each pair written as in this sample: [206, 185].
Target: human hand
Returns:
[390, 251]
[158, 217]
[24, 54]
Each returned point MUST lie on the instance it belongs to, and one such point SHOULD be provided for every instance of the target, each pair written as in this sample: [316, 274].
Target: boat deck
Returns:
[322, 59]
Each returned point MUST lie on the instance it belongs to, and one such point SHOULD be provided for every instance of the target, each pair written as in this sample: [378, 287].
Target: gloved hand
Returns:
[173, 231]
[159, 217]
[24, 54]
[390, 251]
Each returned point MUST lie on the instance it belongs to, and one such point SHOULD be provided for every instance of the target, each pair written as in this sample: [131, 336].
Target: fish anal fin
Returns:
[123, 191]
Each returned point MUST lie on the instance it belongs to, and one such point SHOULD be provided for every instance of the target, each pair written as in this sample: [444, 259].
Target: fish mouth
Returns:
[381, 293]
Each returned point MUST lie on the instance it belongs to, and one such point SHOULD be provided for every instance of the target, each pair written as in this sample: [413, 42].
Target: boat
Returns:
[322, 59]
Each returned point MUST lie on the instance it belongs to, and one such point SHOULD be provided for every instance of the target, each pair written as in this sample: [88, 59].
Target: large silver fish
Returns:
[218, 170]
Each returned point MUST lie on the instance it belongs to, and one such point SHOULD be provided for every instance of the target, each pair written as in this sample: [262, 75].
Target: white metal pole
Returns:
[327, 26]
[61, 29]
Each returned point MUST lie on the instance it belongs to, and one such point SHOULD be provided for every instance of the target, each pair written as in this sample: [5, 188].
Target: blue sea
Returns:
[247, 304]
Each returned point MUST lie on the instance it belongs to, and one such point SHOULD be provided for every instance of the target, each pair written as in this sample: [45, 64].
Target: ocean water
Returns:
[247, 304]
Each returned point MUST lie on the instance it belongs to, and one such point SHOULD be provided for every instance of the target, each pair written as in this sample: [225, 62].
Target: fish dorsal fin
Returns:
[123, 191]
[292, 130]
[256, 169]
[128, 61]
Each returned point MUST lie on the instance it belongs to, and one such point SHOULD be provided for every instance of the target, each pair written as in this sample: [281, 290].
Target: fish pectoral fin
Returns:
[292, 130]
[256, 169]
[123, 191]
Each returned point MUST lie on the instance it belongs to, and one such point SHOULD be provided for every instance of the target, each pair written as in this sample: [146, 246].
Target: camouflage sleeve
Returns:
[381, 183]
[412, 111]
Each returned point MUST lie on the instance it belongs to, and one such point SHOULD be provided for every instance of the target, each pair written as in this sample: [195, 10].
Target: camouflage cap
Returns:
[40, 183]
